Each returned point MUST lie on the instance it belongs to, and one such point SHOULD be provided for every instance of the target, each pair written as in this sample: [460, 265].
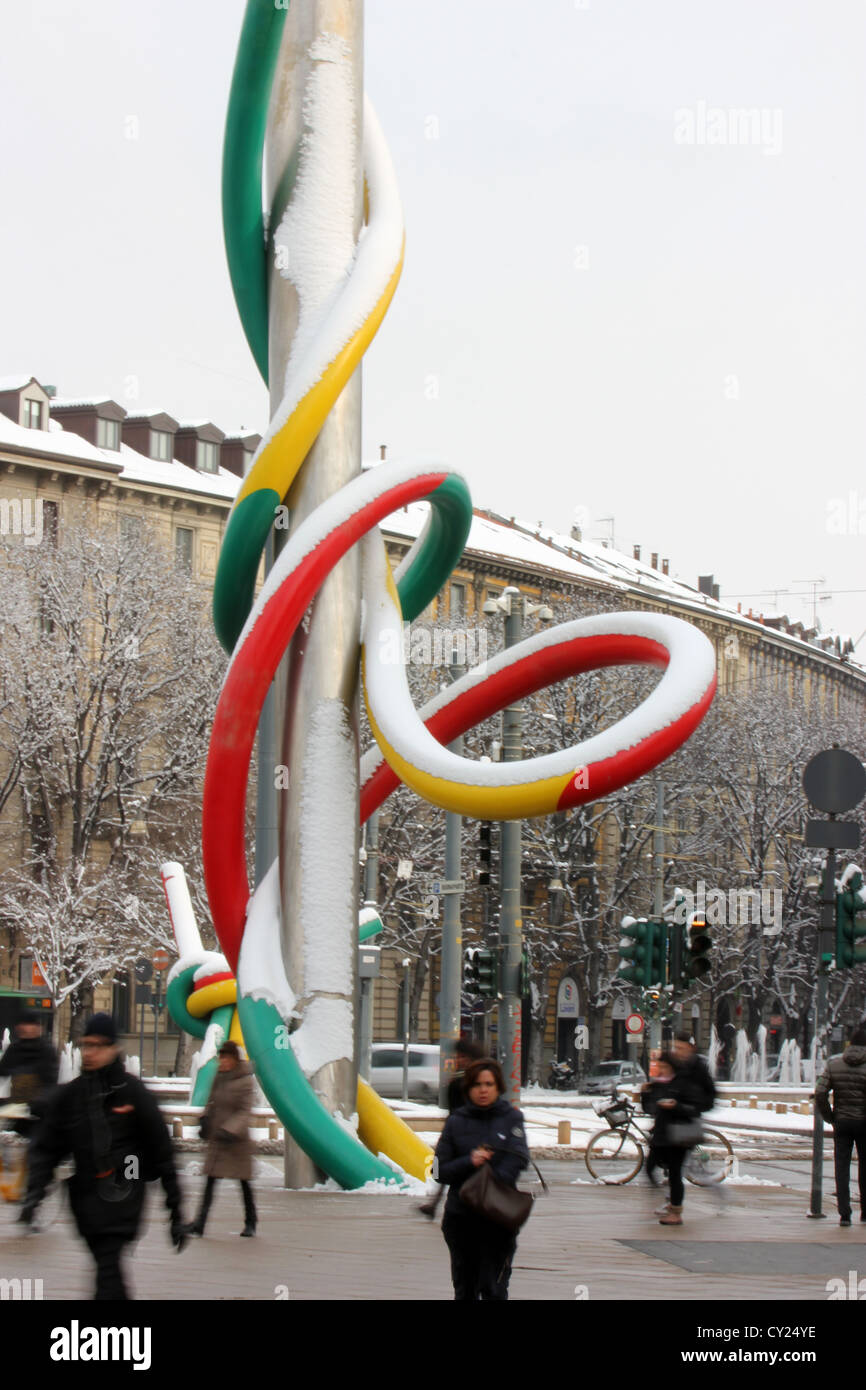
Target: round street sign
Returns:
[834, 781]
[160, 959]
[634, 1023]
[143, 970]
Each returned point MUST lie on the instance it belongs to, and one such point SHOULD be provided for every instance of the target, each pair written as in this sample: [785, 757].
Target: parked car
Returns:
[386, 1070]
[610, 1074]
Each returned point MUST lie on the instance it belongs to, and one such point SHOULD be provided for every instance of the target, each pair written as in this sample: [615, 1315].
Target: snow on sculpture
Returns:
[332, 333]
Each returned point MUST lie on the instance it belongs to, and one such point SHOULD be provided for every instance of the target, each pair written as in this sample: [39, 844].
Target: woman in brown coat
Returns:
[226, 1126]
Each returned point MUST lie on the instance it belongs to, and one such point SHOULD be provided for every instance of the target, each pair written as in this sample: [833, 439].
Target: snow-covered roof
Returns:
[126, 462]
[138, 469]
[541, 549]
[85, 402]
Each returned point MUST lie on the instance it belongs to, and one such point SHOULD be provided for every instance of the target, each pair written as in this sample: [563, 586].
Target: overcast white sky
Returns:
[615, 321]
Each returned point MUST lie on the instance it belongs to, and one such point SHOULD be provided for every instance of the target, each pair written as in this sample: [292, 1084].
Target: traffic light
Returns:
[487, 966]
[635, 949]
[659, 954]
[700, 945]
[849, 949]
[677, 939]
[471, 980]
[484, 853]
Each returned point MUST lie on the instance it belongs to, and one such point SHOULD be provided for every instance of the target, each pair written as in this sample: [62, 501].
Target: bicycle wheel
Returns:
[709, 1162]
[613, 1156]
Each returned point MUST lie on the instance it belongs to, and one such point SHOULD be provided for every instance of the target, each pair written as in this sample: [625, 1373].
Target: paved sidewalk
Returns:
[584, 1241]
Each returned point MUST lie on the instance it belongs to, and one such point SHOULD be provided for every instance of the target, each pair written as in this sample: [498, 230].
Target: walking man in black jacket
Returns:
[113, 1128]
[31, 1064]
[845, 1078]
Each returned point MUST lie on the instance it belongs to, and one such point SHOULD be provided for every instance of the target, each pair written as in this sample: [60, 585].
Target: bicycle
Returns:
[616, 1155]
[14, 1154]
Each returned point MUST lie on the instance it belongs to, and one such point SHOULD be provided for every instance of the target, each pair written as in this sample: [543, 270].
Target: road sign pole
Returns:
[156, 1026]
[828, 914]
[835, 782]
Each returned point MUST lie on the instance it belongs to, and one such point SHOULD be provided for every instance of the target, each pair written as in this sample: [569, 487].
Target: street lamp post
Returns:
[451, 966]
[510, 1026]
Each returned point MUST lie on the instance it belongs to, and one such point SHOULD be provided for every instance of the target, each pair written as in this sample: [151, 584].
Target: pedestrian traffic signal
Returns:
[484, 853]
[471, 982]
[700, 945]
[635, 949]
[524, 975]
[487, 965]
[849, 948]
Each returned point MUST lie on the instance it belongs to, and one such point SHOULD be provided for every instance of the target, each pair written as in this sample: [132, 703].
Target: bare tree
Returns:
[109, 651]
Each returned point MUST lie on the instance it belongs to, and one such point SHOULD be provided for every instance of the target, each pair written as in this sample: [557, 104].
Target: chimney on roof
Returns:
[576, 534]
[382, 450]
[716, 593]
[705, 584]
[654, 561]
[666, 566]
[637, 552]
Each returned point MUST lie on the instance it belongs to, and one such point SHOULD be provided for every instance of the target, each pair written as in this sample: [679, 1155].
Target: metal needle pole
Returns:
[317, 722]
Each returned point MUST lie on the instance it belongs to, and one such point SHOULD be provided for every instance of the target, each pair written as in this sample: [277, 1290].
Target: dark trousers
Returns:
[481, 1255]
[249, 1204]
[672, 1159]
[107, 1250]
[845, 1138]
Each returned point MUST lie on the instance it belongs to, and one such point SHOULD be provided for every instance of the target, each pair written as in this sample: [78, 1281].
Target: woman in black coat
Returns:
[670, 1098]
[484, 1130]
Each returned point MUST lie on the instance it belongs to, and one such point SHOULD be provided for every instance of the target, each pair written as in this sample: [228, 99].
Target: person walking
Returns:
[32, 1065]
[226, 1126]
[465, 1053]
[845, 1080]
[113, 1128]
[668, 1099]
[486, 1129]
[693, 1069]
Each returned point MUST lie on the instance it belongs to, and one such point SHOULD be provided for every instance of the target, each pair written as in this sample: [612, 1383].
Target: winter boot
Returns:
[673, 1217]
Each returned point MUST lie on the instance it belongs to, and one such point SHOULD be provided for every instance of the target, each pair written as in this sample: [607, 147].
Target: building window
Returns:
[206, 457]
[130, 530]
[458, 601]
[32, 415]
[160, 445]
[108, 434]
[50, 520]
[46, 621]
[122, 998]
[183, 548]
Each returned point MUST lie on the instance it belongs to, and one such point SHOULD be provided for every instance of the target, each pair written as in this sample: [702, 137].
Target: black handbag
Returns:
[488, 1196]
[204, 1127]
